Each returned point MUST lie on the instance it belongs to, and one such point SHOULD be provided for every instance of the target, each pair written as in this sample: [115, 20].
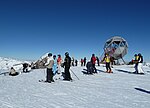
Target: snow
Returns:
[118, 90]
[6, 63]
[147, 64]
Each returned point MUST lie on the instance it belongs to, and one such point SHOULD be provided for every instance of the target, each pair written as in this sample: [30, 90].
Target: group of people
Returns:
[138, 61]
[83, 61]
[52, 64]
[91, 65]
[74, 62]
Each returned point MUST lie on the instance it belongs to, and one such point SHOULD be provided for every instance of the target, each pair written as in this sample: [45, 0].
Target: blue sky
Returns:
[30, 28]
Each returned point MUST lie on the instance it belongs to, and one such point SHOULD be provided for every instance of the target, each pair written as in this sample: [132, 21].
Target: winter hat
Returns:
[139, 54]
[66, 54]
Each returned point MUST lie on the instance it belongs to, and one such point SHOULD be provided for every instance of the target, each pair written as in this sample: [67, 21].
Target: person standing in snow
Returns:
[140, 62]
[93, 60]
[72, 61]
[67, 63]
[59, 61]
[97, 61]
[136, 57]
[76, 62]
[49, 65]
[55, 65]
[84, 61]
[107, 60]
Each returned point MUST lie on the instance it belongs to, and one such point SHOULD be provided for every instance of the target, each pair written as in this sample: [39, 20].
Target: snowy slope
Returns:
[118, 90]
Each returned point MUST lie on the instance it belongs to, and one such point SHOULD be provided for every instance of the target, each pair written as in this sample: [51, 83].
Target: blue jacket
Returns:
[55, 66]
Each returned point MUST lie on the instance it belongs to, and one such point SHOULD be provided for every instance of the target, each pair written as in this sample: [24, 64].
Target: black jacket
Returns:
[140, 59]
[67, 61]
[89, 65]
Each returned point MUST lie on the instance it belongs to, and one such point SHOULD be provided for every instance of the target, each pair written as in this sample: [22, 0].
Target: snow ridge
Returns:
[6, 63]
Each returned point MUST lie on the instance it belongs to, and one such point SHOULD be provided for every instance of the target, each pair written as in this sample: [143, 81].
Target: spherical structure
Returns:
[116, 47]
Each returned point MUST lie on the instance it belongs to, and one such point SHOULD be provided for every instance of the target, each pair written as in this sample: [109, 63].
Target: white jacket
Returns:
[50, 62]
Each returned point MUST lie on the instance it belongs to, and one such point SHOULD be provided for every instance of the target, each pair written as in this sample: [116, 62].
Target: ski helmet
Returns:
[93, 54]
[54, 56]
[66, 54]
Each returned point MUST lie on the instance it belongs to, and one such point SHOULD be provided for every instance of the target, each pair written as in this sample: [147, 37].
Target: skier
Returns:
[84, 61]
[89, 67]
[76, 62]
[107, 61]
[67, 62]
[93, 60]
[13, 72]
[55, 65]
[59, 61]
[140, 62]
[136, 63]
[97, 61]
[49, 65]
[72, 61]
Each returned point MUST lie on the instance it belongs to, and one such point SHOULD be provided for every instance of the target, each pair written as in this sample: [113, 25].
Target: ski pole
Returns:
[74, 74]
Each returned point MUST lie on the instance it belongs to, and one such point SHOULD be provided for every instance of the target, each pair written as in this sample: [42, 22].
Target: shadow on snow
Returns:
[124, 71]
[142, 90]
[84, 71]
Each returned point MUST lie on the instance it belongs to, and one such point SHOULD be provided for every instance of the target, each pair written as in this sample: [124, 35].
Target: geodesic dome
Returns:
[116, 47]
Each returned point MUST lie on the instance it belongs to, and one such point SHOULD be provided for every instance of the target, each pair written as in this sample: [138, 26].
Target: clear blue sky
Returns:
[30, 28]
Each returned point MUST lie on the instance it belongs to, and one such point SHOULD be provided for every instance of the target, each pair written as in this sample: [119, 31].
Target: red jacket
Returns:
[93, 59]
[59, 60]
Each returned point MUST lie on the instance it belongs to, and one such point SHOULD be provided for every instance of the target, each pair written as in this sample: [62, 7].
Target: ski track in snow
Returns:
[102, 90]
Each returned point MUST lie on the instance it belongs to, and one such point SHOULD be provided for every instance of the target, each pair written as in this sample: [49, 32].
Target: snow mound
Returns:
[7, 63]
